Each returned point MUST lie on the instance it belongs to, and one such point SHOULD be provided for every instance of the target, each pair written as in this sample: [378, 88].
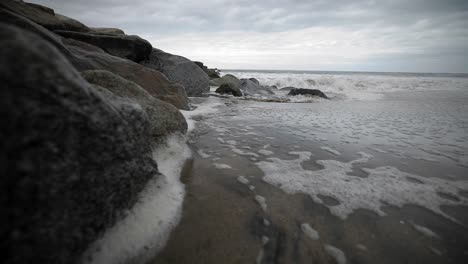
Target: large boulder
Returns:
[73, 159]
[164, 118]
[132, 48]
[252, 87]
[179, 70]
[227, 88]
[43, 16]
[89, 57]
[227, 79]
[301, 91]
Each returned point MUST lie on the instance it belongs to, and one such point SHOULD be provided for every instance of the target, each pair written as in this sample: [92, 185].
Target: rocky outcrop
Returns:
[108, 31]
[132, 48]
[255, 81]
[227, 79]
[43, 16]
[227, 88]
[314, 92]
[252, 87]
[179, 70]
[72, 158]
[88, 57]
[164, 118]
[212, 73]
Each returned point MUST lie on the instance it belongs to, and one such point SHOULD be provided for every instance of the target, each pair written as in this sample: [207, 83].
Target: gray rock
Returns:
[89, 57]
[164, 118]
[227, 79]
[43, 16]
[287, 88]
[250, 87]
[314, 92]
[179, 70]
[212, 73]
[73, 159]
[254, 80]
[227, 88]
[132, 48]
[108, 31]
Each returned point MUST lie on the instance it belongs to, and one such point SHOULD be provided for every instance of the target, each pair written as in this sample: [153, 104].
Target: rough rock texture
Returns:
[227, 79]
[72, 159]
[227, 88]
[250, 87]
[164, 118]
[300, 91]
[88, 57]
[132, 48]
[212, 73]
[43, 16]
[109, 31]
[179, 70]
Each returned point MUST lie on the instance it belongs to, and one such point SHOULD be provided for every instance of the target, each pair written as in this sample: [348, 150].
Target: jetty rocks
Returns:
[82, 110]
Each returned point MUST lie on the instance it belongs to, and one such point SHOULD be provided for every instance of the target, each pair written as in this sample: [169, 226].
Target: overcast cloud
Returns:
[362, 35]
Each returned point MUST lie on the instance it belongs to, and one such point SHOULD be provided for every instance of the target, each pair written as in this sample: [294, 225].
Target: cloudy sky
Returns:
[361, 35]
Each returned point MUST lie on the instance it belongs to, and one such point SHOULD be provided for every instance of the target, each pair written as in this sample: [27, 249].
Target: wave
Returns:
[357, 85]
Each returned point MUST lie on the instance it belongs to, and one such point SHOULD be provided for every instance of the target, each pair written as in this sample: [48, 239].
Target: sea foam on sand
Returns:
[146, 227]
[384, 185]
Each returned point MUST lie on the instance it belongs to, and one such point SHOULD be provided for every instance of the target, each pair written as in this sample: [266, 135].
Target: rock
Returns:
[132, 48]
[88, 57]
[164, 118]
[73, 160]
[43, 16]
[227, 79]
[108, 31]
[255, 81]
[212, 73]
[179, 70]
[227, 88]
[250, 87]
[314, 92]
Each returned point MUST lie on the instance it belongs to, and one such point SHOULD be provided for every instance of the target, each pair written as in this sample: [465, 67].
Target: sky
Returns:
[341, 35]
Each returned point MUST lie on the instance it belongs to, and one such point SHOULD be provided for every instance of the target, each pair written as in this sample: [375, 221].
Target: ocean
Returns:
[376, 174]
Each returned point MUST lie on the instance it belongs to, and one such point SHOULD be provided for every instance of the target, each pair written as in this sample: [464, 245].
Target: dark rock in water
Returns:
[179, 70]
[254, 80]
[43, 16]
[88, 57]
[250, 87]
[164, 118]
[227, 79]
[228, 88]
[73, 159]
[108, 31]
[132, 48]
[300, 91]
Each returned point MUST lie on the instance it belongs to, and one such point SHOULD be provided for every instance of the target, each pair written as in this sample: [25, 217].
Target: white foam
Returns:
[336, 253]
[330, 150]
[243, 153]
[221, 166]
[207, 107]
[266, 152]
[242, 180]
[203, 154]
[425, 231]
[361, 247]
[384, 185]
[146, 228]
[261, 201]
[309, 231]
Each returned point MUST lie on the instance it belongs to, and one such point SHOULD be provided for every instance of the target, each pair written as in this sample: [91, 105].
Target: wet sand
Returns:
[222, 222]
